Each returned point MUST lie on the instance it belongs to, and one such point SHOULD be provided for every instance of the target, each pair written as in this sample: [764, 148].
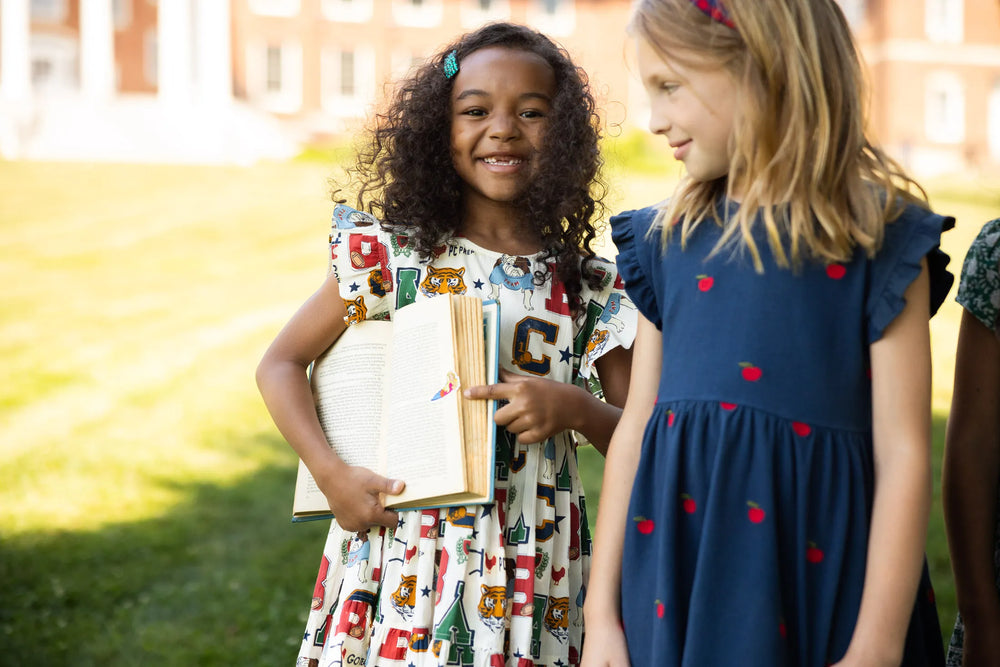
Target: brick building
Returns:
[238, 80]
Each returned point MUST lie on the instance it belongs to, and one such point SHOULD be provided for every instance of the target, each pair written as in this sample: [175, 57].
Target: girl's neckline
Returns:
[465, 239]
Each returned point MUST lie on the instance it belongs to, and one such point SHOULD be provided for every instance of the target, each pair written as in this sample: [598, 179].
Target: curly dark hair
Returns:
[406, 178]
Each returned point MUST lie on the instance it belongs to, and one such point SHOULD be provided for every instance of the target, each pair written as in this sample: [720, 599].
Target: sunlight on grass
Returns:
[141, 481]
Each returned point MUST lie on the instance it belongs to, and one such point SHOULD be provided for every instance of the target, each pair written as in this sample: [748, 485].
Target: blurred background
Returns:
[165, 170]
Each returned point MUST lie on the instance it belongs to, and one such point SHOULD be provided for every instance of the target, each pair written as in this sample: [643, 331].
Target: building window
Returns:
[54, 64]
[555, 17]
[347, 11]
[477, 12]
[944, 108]
[274, 76]
[993, 123]
[275, 7]
[348, 77]
[944, 20]
[48, 11]
[122, 11]
[417, 13]
[273, 69]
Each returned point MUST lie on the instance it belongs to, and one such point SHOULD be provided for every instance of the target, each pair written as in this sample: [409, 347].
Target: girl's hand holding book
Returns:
[355, 495]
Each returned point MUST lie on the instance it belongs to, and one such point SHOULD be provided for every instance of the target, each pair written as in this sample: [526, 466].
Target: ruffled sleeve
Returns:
[979, 289]
[614, 317]
[908, 239]
[637, 253]
[359, 258]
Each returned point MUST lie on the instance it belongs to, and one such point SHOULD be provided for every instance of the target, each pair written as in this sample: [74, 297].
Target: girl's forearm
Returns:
[285, 389]
[593, 418]
[895, 556]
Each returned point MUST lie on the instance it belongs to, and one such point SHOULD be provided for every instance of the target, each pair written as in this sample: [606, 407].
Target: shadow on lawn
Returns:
[224, 578]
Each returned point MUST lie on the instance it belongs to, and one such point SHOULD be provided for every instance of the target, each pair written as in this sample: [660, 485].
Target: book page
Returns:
[347, 383]
[423, 426]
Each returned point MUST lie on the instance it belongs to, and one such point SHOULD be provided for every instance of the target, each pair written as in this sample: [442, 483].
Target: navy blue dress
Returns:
[749, 515]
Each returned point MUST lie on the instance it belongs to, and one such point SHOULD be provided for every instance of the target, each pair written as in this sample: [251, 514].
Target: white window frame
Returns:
[49, 11]
[561, 22]
[944, 108]
[473, 15]
[285, 8]
[62, 56]
[944, 20]
[286, 100]
[347, 11]
[335, 102]
[428, 15]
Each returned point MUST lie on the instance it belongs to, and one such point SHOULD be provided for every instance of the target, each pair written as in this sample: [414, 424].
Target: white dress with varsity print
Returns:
[485, 585]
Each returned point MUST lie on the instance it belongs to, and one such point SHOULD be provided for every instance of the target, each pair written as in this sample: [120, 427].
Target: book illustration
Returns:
[450, 386]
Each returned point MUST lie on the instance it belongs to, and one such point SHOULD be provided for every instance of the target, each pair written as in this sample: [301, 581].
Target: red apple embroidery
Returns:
[755, 513]
[689, 505]
[660, 609]
[814, 554]
[644, 525]
[801, 428]
[750, 372]
[705, 282]
[836, 271]
[670, 417]
[727, 406]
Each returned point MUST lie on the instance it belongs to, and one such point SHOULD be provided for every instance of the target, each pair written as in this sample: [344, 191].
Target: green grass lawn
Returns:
[144, 493]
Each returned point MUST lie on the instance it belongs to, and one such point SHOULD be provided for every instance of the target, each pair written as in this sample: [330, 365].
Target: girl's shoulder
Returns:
[979, 289]
[348, 219]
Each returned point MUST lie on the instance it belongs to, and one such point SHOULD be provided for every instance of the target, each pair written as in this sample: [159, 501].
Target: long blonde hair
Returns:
[800, 151]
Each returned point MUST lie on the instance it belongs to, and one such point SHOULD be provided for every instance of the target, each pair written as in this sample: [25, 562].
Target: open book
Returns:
[389, 398]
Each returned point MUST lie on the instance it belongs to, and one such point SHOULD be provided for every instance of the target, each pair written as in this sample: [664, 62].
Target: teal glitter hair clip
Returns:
[450, 65]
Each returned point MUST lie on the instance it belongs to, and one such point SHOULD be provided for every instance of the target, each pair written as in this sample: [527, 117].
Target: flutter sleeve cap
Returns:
[916, 234]
[615, 321]
[359, 258]
[636, 255]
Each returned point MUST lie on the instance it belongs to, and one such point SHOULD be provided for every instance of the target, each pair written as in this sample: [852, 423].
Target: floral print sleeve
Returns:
[979, 289]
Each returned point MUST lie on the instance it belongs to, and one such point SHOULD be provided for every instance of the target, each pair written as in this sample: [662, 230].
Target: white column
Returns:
[15, 52]
[174, 50]
[97, 49]
[213, 53]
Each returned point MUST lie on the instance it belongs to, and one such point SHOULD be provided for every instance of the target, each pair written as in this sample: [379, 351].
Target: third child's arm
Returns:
[970, 487]
[605, 645]
[901, 397]
[353, 492]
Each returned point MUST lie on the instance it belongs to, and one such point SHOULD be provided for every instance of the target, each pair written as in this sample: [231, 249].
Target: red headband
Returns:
[713, 8]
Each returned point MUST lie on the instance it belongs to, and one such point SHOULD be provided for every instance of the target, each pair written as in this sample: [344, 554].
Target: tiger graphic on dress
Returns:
[445, 280]
[405, 596]
[356, 310]
[557, 618]
[493, 606]
[596, 343]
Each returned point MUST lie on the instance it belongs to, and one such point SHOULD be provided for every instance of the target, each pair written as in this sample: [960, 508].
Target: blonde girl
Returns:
[766, 492]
